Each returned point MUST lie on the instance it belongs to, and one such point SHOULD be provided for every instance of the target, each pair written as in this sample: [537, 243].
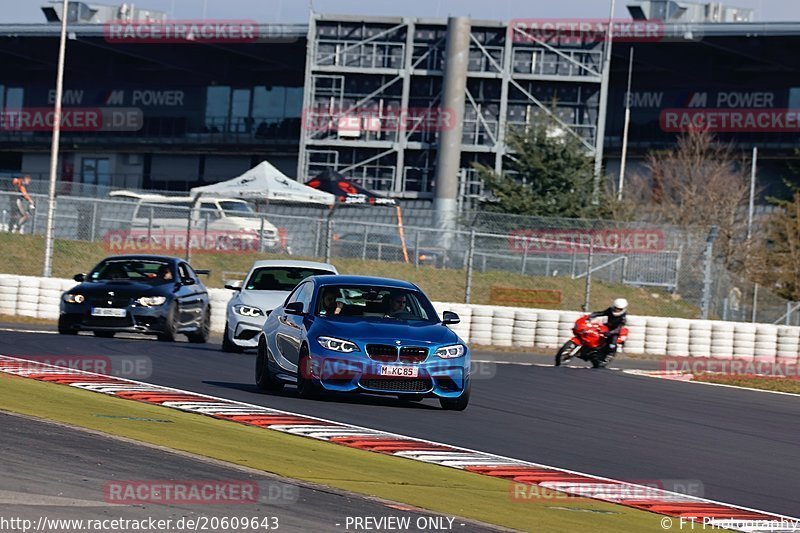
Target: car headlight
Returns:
[74, 298]
[337, 345]
[450, 352]
[246, 310]
[151, 301]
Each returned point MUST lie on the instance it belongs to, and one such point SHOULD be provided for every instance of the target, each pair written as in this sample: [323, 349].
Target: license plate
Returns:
[400, 371]
[109, 311]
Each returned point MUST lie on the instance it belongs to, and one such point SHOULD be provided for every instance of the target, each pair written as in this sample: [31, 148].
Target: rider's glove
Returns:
[32, 207]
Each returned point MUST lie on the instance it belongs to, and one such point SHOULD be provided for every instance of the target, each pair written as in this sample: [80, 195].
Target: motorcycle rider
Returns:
[614, 319]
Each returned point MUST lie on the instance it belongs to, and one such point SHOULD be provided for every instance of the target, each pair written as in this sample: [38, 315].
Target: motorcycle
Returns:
[590, 343]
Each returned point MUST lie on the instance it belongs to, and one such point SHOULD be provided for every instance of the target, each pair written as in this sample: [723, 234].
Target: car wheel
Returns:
[457, 404]
[307, 386]
[228, 345]
[104, 334]
[201, 335]
[265, 381]
[64, 329]
[168, 335]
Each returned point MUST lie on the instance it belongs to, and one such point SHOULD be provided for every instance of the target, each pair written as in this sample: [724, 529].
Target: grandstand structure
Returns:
[362, 95]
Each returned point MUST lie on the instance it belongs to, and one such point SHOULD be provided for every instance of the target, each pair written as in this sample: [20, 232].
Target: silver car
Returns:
[264, 288]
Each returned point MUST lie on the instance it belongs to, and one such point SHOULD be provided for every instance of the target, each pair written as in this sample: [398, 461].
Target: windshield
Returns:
[236, 207]
[150, 271]
[374, 303]
[280, 278]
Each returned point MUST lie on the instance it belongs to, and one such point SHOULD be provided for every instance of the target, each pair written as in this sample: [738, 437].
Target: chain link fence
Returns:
[486, 259]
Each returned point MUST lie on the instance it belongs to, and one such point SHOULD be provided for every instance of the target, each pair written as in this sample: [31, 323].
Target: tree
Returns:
[699, 184]
[548, 175]
[775, 261]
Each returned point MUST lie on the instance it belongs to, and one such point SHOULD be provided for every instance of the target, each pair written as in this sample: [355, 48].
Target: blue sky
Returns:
[297, 10]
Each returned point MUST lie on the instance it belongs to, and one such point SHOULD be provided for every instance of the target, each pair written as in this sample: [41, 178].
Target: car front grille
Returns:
[107, 322]
[397, 385]
[382, 352]
[413, 354]
[115, 301]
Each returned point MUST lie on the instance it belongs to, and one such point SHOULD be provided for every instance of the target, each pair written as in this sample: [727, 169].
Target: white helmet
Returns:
[619, 306]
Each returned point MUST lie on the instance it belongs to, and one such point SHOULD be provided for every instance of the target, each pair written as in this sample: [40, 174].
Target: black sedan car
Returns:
[138, 294]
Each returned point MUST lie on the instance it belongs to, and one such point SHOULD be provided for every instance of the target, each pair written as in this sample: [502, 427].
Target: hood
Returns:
[385, 331]
[247, 223]
[122, 289]
[266, 300]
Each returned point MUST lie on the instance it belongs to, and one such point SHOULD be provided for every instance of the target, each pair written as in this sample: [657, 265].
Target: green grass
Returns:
[791, 385]
[436, 488]
[23, 254]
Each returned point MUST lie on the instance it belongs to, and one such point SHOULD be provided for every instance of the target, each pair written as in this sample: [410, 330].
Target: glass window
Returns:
[217, 106]
[14, 97]
[280, 278]
[240, 111]
[236, 207]
[373, 303]
[172, 210]
[147, 271]
[269, 104]
[95, 171]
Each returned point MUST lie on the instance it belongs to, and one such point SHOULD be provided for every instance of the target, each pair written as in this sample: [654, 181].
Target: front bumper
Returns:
[137, 319]
[243, 331]
[436, 377]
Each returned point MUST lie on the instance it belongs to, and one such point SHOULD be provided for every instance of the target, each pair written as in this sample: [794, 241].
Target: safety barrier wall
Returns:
[501, 326]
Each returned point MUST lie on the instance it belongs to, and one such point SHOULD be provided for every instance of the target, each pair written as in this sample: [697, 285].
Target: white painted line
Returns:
[647, 374]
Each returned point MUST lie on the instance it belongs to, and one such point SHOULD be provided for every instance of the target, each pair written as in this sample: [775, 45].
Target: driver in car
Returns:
[397, 304]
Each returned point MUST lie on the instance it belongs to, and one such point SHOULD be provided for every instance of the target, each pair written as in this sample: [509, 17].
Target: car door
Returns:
[289, 337]
[190, 296]
[201, 294]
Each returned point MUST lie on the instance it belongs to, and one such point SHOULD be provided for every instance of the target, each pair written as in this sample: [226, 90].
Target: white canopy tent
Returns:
[265, 182]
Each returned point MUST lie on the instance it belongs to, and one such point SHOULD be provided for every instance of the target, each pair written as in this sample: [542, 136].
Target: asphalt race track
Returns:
[77, 475]
[742, 446]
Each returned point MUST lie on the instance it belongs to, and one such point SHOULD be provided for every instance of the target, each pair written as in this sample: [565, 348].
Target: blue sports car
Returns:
[363, 334]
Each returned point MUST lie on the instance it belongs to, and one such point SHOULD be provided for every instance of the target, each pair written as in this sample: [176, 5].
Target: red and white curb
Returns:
[670, 504]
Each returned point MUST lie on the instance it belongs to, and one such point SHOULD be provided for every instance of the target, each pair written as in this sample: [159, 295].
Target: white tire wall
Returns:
[219, 298]
[678, 337]
[28, 297]
[524, 333]
[788, 345]
[464, 312]
[700, 338]
[547, 329]
[637, 326]
[656, 332]
[502, 326]
[722, 340]
[565, 324]
[744, 341]
[766, 345]
[9, 288]
[481, 325]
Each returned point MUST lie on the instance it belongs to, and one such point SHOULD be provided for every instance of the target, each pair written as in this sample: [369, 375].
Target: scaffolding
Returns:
[373, 88]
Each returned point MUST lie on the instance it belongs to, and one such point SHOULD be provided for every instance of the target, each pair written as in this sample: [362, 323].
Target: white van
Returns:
[158, 213]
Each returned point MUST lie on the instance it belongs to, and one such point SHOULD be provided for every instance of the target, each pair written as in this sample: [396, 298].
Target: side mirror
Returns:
[79, 277]
[234, 285]
[187, 281]
[294, 308]
[449, 317]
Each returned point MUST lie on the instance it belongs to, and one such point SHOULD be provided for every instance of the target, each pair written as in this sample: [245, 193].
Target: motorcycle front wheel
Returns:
[565, 353]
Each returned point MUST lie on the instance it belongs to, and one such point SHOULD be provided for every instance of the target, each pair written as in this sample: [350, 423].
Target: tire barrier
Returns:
[501, 326]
